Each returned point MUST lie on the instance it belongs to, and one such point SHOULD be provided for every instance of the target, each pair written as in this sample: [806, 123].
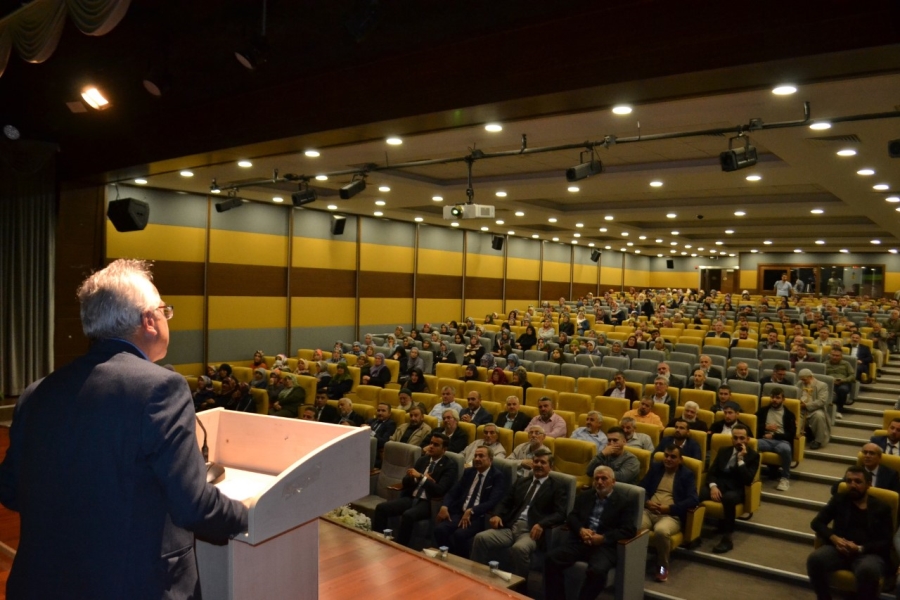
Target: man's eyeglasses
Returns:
[168, 311]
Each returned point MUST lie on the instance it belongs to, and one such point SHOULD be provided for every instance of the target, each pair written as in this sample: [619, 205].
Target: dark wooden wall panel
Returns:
[322, 283]
[553, 290]
[377, 284]
[581, 289]
[177, 278]
[439, 286]
[246, 280]
[522, 288]
[484, 288]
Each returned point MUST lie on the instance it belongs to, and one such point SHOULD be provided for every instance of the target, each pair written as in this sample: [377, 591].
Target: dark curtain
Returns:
[27, 240]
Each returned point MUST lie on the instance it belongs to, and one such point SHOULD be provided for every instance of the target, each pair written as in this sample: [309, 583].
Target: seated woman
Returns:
[414, 335]
[302, 367]
[205, 392]
[474, 351]
[564, 340]
[445, 329]
[368, 341]
[435, 337]
[575, 348]
[498, 377]
[488, 362]
[527, 340]
[259, 362]
[416, 382]
[632, 343]
[220, 398]
[660, 345]
[458, 339]
[398, 331]
[259, 379]
[379, 374]
[342, 382]
[505, 351]
[445, 355]
[565, 324]
[317, 355]
[398, 353]
[471, 373]
[513, 318]
[362, 363]
[557, 357]
[591, 349]
[390, 341]
[581, 322]
[289, 399]
[370, 351]
[275, 386]
[242, 400]
[212, 372]
[426, 329]
[520, 378]
[337, 356]
[546, 332]
[501, 340]
[488, 319]
[543, 347]
[427, 346]
[322, 374]
[280, 362]
[512, 361]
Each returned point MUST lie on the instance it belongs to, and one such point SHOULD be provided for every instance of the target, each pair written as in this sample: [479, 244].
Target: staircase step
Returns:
[785, 561]
[881, 388]
[867, 422]
[812, 467]
[784, 498]
[839, 453]
[857, 410]
[876, 401]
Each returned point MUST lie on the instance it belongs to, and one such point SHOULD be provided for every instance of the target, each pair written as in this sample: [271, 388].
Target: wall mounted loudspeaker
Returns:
[128, 214]
[337, 225]
[894, 148]
[670, 264]
[595, 255]
[497, 242]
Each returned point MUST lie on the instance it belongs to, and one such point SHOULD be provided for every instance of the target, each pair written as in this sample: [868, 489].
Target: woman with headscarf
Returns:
[428, 345]
[660, 346]
[259, 361]
[212, 373]
[275, 386]
[557, 357]
[546, 332]
[362, 363]
[322, 374]
[474, 351]
[505, 351]
[342, 382]
[426, 329]
[205, 391]
[220, 397]
[398, 353]
[368, 341]
[241, 399]
[416, 382]
[414, 335]
[501, 340]
[414, 361]
[289, 399]
[471, 373]
[259, 379]
[445, 355]
[487, 361]
[527, 340]
[512, 361]
[445, 330]
[317, 355]
[337, 355]
[632, 343]
[379, 374]
[565, 324]
[498, 377]
[302, 367]
[489, 319]
[435, 337]
[520, 378]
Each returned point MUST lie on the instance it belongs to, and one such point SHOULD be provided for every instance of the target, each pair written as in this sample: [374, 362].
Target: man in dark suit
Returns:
[890, 443]
[458, 440]
[383, 427]
[532, 505]
[776, 376]
[776, 429]
[771, 343]
[884, 478]
[730, 419]
[699, 382]
[598, 521]
[513, 418]
[348, 415]
[682, 440]
[103, 463]
[325, 413]
[742, 373]
[475, 413]
[431, 477]
[863, 356]
[462, 512]
[665, 510]
[728, 474]
[859, 539]
[620, 390]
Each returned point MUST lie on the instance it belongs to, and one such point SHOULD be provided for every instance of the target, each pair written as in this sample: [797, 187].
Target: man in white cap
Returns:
[814, 403]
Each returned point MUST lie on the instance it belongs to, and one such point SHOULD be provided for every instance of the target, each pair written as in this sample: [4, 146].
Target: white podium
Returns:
[295, 471]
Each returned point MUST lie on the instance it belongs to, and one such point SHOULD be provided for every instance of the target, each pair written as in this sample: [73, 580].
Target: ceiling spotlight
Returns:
[578, 235]
[820, 126]
[784, 90]
[820, 242]
[332, 207]
[551, 220]
[214, 187]
[519, 213]
[140, 181]
[659, 240]
[622, 109]
[383, 188]
[656, 184]
[846, 152]
[671, 216]
[556, 239]
[608, 218]
[11, 132]
[245, 164]
[876, 242]
[535, 236]
[844, 251]
[642, 237]
[186, 173]
[574, 188]
[734, 159]
[418, 219]
[753, 178]
[510, 233]
[893, 199]
[380, 203]
[767, 242]
[739, 213]
[321, 177]
[817, 211]
[729, 231]
[454, 224]
[585, 169]
[378, 213]
[798, 251]
[579, 225]
[493, 127]
[394, 141]
[674, 233]
[303, 196]
[312, 153]
[500, 222]
[279, 199]
[881, 187]
[753, 250]
[500, 194]
[603, 230]
[866, 172]
[353, 188]
[94, 98]
[437, 198]
[624, 234]
[231, 202]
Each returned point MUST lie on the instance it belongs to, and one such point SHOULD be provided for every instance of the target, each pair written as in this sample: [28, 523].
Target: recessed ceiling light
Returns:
[688, 246]
[384, 188]
[378, 213]
[817, 211]
[187, 173]
[140, 181]
[659, 240]
[493, 127]
[767, 242]
[732, 254]
[510, 233]
[844, 251]
[693, 254]
[551, 220]
[784, 90]
[321, 177]
[866, 172]
[629, 244]
[637, 251]
[881, 187]
[380, 203]
[519, 213]
[893, 251]
[454, 224]
[674, 233]
[500, 194]
[245, 163]
[591, 245]
[713, 251]
[556, 239]
[820, 126]
[332, 207]
[418, 219]
[603, 230]
[622, 109]
[642, 237]
[797, 250]
[579, 225]
[499, 221]
[659, 255]
[485, 228]
[312, 153]
[574, 241]
[700, 249]
[753, 250]
[534, 236]
[876, 242]
[846, 152]
[656, 184]
[280, 199]
[673, 243]
[574, 188]
[607, 247]
[94, 98]
[394, 141]
[729, 231]
[214, 191]
[893, 199]
[624, 234]
[437, 198]
[753, 177]
[684, 253]
[578, 235]
[897, 209]
[608, 218]
[820, 242]
[671, 215]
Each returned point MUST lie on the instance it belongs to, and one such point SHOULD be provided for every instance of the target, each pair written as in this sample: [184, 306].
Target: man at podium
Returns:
[103, 463]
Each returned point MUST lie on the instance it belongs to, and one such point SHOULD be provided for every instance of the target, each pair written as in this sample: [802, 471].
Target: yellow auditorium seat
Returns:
[560, 383]
[533, 394]
[572, 457]
[577, 403]
[590, 386]
[611, 407]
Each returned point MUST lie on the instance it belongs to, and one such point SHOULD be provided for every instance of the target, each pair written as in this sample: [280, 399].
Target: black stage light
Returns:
[734, 159]
[227, 205]
[303, 197]
[353, 188]
[584, 170]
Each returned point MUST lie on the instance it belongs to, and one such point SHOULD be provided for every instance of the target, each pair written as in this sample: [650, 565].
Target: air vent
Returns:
[843, 139]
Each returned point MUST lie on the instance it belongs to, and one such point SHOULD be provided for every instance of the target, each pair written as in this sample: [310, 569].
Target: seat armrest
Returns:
[374, 472]
[640, 534]
[397, 486]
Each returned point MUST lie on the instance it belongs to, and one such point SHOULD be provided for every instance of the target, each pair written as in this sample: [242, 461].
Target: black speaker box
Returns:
[894, 148]
[128, 214]
[595, 255]
[337, 225]
[497, 242]
[670, 264]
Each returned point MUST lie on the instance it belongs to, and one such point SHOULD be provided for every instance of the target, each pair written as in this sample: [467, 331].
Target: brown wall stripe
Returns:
[377, 284]
[555, 289]
[521, 288]
[439, 287]
[484, 287]
[582, 289]
[322, 283]
[246, 280]
[175, 278]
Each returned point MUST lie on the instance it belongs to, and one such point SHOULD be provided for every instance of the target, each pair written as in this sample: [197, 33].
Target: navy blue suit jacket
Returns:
[690, 448]
[384, 431]
[492, 491]
[442, 478]
[684, 489]
[105, 470]
[482, 418]
[864, 354]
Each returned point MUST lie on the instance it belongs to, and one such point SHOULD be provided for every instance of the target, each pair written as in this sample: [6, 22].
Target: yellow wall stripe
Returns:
[242, 248]
[440, 262]
[247, 312]
[323, 254]
[188, 312]
[585, 274]
[523, 268]
[394, 259]
[482, 265]
[323, 312]
[157, 242]
[556, 271]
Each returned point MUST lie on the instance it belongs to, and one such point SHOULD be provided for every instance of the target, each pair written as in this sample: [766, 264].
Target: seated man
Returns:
[620, 390]
[799, 355]
[682, 440]
[308, 412]
[450, 427]
[890, 443]
[742, 373]
[844, 377]
[405, 401]
[776, 428]
[661, 393]
[771, 343]
[634, 438]
[691, 409]
[699, 382]
[382, 426]
[859, 539]
[591, 431]
[554, 425]
[518, 521]
[730, 419]
[490, 440]
[884, 478]
[743, 334]
[644, 413]
[348, 415]
[448, 401]
[671, 491]
[723, 395]
[416, 431]
[475, 413]
[729, 473]
[431, 477]
[624, 464]
[513, 418]
[523, 455]
[599, 520]
[325, 413]
[462, 511]
[718, 331]
[709, 369]
[813, 409]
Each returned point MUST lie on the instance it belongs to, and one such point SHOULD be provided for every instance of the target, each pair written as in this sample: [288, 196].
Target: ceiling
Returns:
[436, 73]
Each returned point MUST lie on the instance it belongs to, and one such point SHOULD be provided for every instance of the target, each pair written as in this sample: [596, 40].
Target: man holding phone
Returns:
[728, 474]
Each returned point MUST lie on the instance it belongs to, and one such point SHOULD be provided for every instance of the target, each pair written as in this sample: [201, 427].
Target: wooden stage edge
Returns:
[356, 563]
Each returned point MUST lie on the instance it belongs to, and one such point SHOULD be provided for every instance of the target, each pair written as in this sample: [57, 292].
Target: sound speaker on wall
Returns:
[894, 148]
[128, 214]
[497, 242]
[595, 255]
[337, 225]
[670, 264]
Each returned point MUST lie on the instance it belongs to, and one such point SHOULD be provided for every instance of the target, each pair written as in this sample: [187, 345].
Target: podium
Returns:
[294, 471]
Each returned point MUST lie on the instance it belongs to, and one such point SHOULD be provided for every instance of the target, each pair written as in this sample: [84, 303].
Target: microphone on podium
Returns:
[214, 472]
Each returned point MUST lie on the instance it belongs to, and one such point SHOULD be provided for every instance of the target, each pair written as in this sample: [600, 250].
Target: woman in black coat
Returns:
[527, 340]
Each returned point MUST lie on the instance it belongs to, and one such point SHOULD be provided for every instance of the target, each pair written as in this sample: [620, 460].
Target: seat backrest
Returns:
[619, 363]
[655, 355]
[535, 393]
[573, 456]
[397, 459]
[460, 463]
[607, 373]
[687, 358]
[560, 383]
[482, 387]
[458, 351]
[747, 354]
[781, 355]
[507, 467]
[536, 355]
[643, 457]
[587, 360]
[591, 386]
[641, 377]
[576, 403]
[546, 367]
[749, 403]
[816, 367]
[790, 391]
[459, 387]
[611, 407]
[715, 349]
[501, 392]
[570, 484]
[693, 350]
[447, 371]
[574, 370]
[704, 398]
[635, 495]
[644, 364]
[745, 387]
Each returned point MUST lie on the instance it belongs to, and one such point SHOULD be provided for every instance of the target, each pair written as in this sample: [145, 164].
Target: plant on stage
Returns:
[350, 517]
